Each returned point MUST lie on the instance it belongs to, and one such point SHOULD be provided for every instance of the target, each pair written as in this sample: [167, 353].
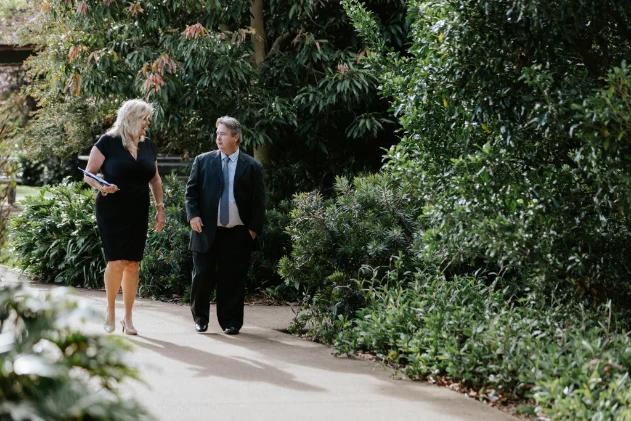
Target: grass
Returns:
[23, 191]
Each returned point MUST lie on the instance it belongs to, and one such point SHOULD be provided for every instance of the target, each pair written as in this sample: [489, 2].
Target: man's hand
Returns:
[252, 234]
[196, 224]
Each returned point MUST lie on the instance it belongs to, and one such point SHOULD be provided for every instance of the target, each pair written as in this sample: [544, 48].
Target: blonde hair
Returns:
[232, 124]
[128, 119]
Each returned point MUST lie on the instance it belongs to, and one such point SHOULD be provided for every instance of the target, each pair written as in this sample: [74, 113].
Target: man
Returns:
[225, 206]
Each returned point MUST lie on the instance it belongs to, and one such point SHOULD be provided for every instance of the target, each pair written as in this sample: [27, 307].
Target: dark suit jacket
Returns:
[203, 191]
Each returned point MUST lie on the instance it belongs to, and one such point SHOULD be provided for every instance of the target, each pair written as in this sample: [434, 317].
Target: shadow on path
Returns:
[206, 364]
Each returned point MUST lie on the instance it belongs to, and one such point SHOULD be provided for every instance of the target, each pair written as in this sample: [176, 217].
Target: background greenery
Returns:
[504, 264]
[295, 79]
[56, 240]
[491, 249]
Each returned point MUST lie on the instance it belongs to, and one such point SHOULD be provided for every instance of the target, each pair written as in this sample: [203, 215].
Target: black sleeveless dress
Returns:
[123, 217]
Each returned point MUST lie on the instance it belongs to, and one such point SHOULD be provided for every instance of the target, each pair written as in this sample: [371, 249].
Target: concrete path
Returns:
[263, 374]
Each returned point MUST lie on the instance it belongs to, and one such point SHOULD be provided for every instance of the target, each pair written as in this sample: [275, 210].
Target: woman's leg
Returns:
[113, 279]
[130, 287]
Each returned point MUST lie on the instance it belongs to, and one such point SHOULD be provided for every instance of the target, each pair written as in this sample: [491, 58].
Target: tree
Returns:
[517, 133]
[291, 72]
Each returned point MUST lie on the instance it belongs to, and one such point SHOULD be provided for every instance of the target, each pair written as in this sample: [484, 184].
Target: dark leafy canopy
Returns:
[517, 130]
[195, 61]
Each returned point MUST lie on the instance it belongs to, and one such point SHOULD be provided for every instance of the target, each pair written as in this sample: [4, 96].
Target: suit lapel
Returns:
[216, 166]
[241, 165]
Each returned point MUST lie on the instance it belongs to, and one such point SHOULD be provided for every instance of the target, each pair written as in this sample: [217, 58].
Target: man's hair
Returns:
[232, 124]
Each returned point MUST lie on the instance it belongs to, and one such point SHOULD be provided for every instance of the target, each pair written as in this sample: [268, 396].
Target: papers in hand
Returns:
[96, 177]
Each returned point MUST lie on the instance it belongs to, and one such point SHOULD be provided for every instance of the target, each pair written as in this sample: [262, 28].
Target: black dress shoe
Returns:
[201, 327]
[232, 331]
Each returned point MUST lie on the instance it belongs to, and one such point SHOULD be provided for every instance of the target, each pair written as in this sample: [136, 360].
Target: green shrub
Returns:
[518, 136]
[369, 222]
[165, 271]
[48, 171]
[56, 238]
[275, 243]
[50, 370]
[573, 362]
[4, 187]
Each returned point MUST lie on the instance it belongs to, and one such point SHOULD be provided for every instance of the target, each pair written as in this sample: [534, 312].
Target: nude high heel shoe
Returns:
[109, 327]
[128, 330]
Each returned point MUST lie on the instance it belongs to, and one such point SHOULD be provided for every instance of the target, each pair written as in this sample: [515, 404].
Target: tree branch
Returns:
[276, 46]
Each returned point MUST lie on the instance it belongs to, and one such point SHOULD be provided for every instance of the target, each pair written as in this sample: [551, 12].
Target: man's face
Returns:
[226, 142]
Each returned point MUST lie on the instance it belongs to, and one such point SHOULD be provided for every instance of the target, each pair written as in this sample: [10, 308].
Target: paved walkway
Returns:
[263, 374]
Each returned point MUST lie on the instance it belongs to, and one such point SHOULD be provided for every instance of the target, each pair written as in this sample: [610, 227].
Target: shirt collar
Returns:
[232, 157]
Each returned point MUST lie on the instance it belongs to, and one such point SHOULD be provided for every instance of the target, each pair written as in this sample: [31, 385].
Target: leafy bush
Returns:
[518, 135]
[56, 238]
[51, 371]
[571, 361]
[5, 170]
[370, 221]
[207, 60]
[165, 270]
[515, 163]
[48, 171]
[275, 243]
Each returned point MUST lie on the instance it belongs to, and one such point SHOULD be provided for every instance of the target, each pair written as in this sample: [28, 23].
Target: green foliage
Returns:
[165, 270]
[515, 163]
[195, 60]
[275, 243]
[62, 130]
[52, 371]
[572, 362]
[49, 171]
[56, 238]
[5, 170]
[369, 222]
[517, 136]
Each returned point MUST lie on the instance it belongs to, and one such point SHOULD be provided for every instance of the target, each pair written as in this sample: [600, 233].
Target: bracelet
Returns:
[160, 205]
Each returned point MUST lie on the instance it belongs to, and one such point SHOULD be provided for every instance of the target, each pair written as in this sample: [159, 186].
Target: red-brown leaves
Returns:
[73, 84]
[135, 9]
[75, 52]
[154, 73]
[195, 31]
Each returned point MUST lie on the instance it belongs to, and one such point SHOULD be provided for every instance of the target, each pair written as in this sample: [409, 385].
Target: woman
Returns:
[127, 159]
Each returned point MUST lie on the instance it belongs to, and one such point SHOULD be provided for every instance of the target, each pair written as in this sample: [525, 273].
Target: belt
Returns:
[219, 227]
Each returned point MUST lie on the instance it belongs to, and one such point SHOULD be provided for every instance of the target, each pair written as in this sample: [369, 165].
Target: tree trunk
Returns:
[258, 38]
[262, 153]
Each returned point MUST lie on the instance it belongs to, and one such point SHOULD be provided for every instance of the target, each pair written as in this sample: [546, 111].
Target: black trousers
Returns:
[223, 268]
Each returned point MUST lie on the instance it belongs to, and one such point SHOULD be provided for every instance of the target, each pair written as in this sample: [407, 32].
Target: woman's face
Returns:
[146, 121]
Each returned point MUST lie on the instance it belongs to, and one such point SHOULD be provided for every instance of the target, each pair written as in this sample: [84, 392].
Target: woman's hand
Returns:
[108, 189]
[160, 221]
